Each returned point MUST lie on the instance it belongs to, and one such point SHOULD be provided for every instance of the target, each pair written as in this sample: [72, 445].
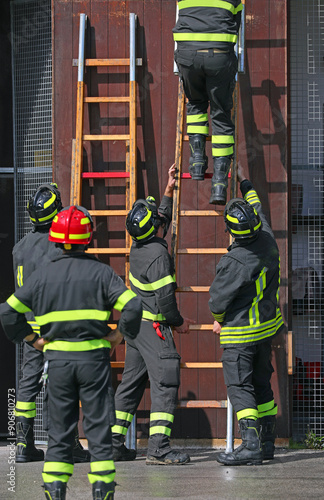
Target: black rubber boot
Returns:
[172, 457]
[249, 453]
[55, 490]
[222, 165]
[103, 491]
[198, 162]
[26, 451]
[268, 426]
[123, 454]
[80, 455]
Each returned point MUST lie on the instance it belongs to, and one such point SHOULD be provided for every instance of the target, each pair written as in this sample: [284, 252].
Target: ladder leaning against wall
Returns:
[77, 173]
[177, 214]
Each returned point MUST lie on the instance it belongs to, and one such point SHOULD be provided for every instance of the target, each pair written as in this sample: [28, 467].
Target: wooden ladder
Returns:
[77, 175]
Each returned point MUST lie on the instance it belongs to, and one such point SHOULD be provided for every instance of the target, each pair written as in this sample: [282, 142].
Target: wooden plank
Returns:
[202, 251]
[107, 62]
[108, 213]
[101, 137]
[201, 365]
[202, 404]
[109, 251]
[201, 213]
[196, 289]
[107, 99]
[200, 327]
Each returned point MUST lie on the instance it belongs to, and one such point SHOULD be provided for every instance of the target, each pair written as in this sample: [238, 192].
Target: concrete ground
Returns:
[293, 474]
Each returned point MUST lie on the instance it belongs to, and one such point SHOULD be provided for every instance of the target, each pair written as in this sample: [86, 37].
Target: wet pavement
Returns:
[293, 474]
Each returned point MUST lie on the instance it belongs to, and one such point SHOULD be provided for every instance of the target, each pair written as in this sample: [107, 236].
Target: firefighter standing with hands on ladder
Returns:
[244, 302]
[206, 33]
[72, 298]
[152, 355]
[31, 252]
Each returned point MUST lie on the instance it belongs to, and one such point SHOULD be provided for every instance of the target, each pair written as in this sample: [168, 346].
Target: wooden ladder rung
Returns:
[107, 213]
[125, 137]
[105, 175]
[107, 99]
[111, 251]
[200, 213]
[194, 403]
[202, 251]
[192, 288]
[200, 327]
[108, 62]
[204, 364]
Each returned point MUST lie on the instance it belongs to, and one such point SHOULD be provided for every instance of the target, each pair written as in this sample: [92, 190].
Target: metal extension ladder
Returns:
[77, 173]
[175, 229]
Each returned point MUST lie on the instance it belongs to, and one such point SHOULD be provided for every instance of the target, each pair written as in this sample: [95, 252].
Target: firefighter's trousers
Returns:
[87, 380]
[149, 357]
[247, 373]
[30, 383]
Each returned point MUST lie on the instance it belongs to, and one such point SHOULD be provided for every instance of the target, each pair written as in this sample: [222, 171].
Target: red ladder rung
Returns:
[105, 175]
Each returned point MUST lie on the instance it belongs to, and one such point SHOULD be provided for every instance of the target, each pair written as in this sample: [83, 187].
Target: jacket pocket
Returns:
[184, 57]
[169, 369]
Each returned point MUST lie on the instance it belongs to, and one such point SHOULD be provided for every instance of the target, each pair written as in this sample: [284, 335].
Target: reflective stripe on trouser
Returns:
[123, 421]
[149, 357]
[222, 145]
[161, 423]
[197, 124]
[57, 471]
[102, 471]
[247, 373]
[267, 409]
[25, 409]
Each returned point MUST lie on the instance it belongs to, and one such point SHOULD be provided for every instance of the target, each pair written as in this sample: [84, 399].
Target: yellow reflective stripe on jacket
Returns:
[161, 416]
[148, 287]
[79, 346]
[123, 299]
[153, 317]
[243, 334]
[17, 305]
[72, 315]
[260, 285]
[20, 273]
[219, 317]
[54, 467]
[220, 4]
[252, 197]
[204, 37]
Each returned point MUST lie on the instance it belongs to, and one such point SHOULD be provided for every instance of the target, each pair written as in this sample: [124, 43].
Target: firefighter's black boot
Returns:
[222, 165]
[249, 453]
[268, 426]
[172, 457]
[103, 491]
[26, 451]
[198, 162]
[120, 452]
[80, 455]
[55, 490]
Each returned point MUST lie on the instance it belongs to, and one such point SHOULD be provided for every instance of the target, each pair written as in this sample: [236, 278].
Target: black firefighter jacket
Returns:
[72, 298]
[204, 25]
[245, 292]
[152, 276]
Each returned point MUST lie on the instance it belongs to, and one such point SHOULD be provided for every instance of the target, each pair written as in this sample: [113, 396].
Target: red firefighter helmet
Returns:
[72, 225]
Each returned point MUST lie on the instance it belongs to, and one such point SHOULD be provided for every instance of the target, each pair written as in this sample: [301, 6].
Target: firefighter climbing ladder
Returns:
[176, 225]
[77, 175]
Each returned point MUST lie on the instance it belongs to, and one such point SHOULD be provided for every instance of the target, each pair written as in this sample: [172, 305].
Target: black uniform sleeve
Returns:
[128, 303]
[165, 207]
[13, 321]
[160, 273]
[250, 195]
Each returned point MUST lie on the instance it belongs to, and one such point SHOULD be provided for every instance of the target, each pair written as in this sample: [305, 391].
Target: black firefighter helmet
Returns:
[144, 220]
[241, 219]
[44, 204]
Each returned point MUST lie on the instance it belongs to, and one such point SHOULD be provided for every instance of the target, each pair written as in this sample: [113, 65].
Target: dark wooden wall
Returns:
[261, 148]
